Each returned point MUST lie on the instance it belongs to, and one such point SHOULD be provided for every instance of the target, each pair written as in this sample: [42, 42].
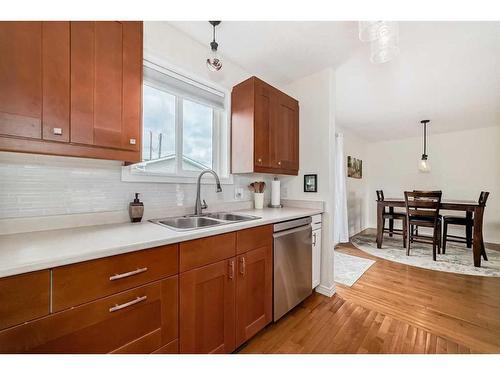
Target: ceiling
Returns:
[448, 72]
[278, 51]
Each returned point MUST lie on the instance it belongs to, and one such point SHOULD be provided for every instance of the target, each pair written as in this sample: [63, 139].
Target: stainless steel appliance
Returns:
[292, 264]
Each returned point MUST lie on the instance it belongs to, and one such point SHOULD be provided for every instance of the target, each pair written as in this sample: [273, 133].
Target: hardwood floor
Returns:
[392, 308]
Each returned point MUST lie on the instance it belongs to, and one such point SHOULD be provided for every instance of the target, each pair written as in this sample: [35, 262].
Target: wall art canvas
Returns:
[354, 167]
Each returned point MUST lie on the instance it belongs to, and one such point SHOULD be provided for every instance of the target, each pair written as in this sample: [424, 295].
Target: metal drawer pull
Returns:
[243, 266]
[231, 269]
[127, 274]
[127, 304]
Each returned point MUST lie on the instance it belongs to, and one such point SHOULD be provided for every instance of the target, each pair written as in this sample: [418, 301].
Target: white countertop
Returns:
[33, 251]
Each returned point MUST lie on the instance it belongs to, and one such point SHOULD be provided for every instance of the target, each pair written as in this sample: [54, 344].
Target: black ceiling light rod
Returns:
[425, 122]
[214, 44]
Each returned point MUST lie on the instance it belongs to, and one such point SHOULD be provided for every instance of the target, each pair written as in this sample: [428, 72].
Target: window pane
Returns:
[197, 136]
[158, 147]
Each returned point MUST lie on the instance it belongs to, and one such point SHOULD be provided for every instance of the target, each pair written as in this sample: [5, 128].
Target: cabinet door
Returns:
[254, 292]
[285, 134]
[207, 308]
[21, 79]
[106, 84]
[316, 257]
[265, 102]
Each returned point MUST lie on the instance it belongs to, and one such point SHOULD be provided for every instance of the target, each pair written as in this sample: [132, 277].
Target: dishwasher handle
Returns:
[293, 230]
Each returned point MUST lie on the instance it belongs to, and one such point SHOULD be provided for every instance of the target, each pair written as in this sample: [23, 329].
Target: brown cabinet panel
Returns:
[82, 82]
[56, 77]
[268, 121]
[254, 285]
[78, 283]
[170, 348]
[207, 309]
[253, 238]
[203, 251]
[24, 297]
[21, 79]
[101, 326]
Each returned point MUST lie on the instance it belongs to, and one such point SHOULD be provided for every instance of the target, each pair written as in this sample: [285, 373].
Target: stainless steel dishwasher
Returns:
[292, 264]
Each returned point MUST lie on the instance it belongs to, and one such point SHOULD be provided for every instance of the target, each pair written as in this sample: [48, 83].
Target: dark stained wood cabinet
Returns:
[264, 129]
[139, 320]
[207, 308]
[71, 88]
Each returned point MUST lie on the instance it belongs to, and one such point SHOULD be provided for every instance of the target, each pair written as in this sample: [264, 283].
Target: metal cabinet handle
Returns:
[127, 274]
[127, 304]
[231, 269]
[259, 160]
[279, 163]
[243, 265]
[314, 239]
[132, 141]
[57, 131]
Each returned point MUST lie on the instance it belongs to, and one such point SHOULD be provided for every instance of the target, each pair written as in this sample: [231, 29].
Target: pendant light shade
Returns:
[214, 61]
[423, 164]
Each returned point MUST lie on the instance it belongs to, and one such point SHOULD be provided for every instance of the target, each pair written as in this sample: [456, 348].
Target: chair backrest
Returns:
[483, 197]
[380, 195]
[423, 203]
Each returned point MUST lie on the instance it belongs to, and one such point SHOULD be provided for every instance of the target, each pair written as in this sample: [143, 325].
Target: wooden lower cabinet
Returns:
[254, 292]
[139, 320]
[207, 308]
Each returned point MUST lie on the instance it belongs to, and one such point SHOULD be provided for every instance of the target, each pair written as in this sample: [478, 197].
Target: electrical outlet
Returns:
[238, 193]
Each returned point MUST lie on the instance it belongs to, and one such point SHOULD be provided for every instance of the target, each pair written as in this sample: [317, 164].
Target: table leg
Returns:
[478, 235]
[468, 229]
[380, 224]
[391, 222]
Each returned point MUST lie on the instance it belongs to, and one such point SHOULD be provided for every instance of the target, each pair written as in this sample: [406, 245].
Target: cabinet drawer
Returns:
[170, 348]
[203, 251]
[253, 238]
[141, 319]
[83, 282]
[23, 298]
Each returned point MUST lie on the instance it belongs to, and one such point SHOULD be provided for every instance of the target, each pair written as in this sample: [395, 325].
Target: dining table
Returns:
[471, 208]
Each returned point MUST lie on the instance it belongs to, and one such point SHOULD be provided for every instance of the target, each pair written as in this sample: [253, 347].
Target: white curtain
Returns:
[340, 224]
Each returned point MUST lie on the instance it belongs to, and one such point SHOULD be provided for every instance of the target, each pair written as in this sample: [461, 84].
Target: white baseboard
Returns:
[328, 291]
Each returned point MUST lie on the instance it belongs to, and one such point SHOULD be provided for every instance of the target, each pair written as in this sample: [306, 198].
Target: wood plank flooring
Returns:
[392, 308]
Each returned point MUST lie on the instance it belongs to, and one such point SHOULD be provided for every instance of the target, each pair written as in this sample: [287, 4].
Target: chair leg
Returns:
[439, 237]
[409, 230]
[483, 251]
[391, 227]
[405, 230]
[445, 233]
[468, 235]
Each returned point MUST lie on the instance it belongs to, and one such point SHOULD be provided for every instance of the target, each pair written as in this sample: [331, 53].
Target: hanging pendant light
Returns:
[423, 165]
[383, 37]
[214, 61]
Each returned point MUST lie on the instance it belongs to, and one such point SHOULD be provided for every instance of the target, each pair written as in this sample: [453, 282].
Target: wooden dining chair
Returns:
[391, 216]
[414, 228]
[422, 210]
[468, 222]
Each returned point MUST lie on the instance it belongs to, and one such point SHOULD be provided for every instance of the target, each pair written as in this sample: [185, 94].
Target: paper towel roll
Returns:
[275, 193]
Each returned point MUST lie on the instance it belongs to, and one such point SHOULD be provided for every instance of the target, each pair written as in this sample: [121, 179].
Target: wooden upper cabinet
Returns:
[21, 79]
[265, 129]
[106, 84]
[71, 88]
[207, 308]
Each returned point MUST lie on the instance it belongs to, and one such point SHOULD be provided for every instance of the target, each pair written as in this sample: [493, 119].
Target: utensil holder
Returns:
[258, 200]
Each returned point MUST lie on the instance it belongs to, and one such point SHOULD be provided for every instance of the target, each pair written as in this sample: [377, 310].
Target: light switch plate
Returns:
[238, 193]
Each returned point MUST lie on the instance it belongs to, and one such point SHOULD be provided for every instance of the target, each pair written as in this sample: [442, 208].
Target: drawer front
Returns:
[131, 321]
[170, 348]
[254, 238]
[24, 297]
[87, 281]
[203, 251]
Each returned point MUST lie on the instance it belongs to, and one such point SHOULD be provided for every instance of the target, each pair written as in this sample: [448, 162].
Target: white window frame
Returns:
[220, 135]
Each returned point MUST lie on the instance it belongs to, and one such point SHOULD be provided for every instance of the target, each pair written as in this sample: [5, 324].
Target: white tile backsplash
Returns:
[40, 185]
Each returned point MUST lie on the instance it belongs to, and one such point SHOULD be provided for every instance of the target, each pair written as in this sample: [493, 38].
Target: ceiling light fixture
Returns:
[423, 165]
[384, 39]
[214, 62]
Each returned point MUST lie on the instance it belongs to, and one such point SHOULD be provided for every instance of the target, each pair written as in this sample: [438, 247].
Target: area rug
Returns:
[458, 258]
[348, 268]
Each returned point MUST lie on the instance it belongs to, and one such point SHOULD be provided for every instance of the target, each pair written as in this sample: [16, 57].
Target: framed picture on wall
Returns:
[354, 167]
[311, 183]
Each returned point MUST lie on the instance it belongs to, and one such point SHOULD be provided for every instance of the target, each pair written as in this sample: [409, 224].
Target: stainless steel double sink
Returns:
[191, 222]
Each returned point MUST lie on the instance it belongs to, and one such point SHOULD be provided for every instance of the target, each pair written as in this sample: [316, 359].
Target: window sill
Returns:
[131, 174]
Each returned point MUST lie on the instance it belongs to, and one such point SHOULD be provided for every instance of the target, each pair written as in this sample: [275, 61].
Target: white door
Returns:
[316, 257]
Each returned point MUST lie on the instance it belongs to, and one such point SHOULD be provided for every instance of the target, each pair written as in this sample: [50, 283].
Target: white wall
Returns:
[356, 189]
[315, 94]
[463, 163]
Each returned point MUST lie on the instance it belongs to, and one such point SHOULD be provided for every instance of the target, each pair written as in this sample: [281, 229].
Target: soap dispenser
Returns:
[136, 209]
